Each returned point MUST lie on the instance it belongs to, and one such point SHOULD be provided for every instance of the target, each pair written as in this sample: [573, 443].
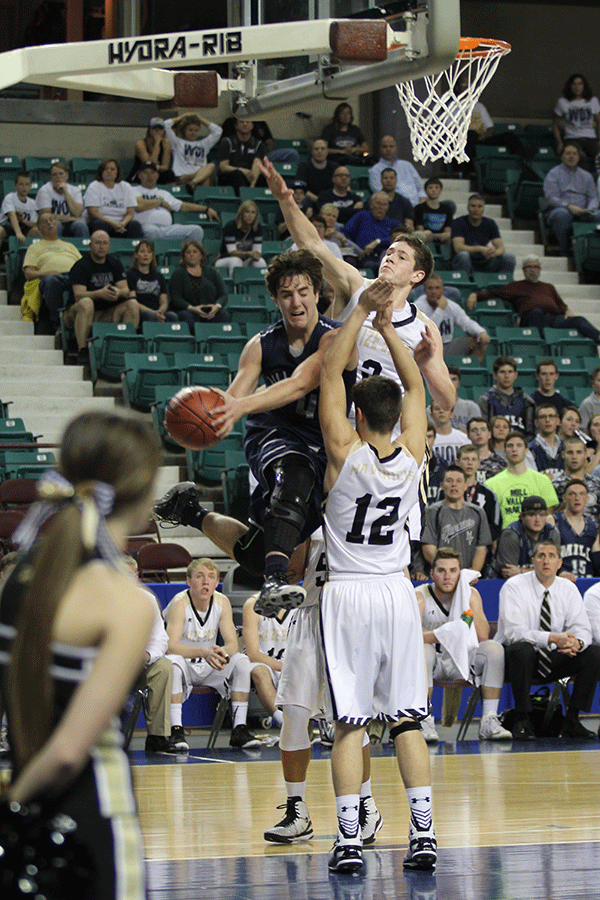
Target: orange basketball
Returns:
[189, 417]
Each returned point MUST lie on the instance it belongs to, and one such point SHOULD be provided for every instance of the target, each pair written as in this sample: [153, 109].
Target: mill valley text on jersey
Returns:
[211, 43]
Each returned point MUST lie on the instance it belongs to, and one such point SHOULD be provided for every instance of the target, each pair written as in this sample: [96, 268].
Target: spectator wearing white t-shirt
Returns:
[18, 213]
[154, 208]
[64, 201]
[110, 203]
[190, 152]
[577, 117]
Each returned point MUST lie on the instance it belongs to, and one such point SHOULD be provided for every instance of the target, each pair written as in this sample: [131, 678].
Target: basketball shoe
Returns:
[295, 826]
[369, 819]
[490, 729]
[178, 739]
[181, 496]
[242, 738]
[346, 855]
[277, 594]
[422, 849]
[428, 729]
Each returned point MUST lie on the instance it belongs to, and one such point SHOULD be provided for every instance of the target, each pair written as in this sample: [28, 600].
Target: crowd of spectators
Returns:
[492, 452]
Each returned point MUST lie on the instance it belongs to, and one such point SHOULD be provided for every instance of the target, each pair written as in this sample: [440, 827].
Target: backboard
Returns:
[354, 55]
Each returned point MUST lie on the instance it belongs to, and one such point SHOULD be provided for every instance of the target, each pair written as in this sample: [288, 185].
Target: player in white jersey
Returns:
[265, 640]
[416, 330]
[456, 648]
[301, 695]
[194, 620]
[371, 626]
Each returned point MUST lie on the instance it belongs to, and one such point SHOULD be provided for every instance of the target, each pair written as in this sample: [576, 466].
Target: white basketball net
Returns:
[439, 122]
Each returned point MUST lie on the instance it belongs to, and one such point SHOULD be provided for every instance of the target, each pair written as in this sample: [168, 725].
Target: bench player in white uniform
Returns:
[370, 618]
[265, 641]
[453, 652]
[194, 618]
[301, 695]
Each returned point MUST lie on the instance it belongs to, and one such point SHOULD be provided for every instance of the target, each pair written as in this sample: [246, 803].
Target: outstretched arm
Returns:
[429, 356]
[343, 277]
[414, 418]
[338, 434]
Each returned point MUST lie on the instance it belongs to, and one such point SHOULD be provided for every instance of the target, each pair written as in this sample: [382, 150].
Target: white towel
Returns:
[456, 638]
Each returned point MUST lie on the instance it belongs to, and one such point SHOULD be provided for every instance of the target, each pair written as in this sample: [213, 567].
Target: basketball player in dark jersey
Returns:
[283, 444]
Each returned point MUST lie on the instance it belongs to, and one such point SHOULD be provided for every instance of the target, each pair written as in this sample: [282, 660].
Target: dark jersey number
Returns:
[376, 535]
[370, 367]
[279, 655]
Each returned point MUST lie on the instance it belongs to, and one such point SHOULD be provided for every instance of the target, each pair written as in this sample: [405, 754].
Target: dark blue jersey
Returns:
[543, 460]
[300, 418]
[576, 549]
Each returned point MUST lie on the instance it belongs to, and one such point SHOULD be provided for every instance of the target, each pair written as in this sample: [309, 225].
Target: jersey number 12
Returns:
[376, 534]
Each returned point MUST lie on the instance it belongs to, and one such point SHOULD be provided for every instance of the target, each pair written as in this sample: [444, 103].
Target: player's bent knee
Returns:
[403, 728]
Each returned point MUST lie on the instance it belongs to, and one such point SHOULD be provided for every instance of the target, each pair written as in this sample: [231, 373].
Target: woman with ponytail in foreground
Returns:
[73, 627]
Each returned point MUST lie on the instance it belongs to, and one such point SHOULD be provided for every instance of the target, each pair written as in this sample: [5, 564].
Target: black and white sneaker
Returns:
[277, 594]
[346, 856]
[178, 739]
[369, 819]
[295, 826]
[169, 508]
[422, 849]
[242, 738]
[164, 746]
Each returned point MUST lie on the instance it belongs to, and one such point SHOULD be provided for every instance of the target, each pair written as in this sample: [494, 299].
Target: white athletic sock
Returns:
[347, 813]
[175, 714]
[239, 712]
[489, 707]
[295, 789]
[278, 718]
[419, 802]
[365, 788]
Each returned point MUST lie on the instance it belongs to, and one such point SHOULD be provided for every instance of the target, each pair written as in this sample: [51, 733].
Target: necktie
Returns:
[544, 661]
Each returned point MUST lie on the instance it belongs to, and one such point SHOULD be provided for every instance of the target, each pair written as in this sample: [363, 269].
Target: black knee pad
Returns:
[293, 481]
[403, 727]
[249, 551]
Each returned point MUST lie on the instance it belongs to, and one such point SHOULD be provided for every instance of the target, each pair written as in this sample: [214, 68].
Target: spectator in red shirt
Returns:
[536, 302]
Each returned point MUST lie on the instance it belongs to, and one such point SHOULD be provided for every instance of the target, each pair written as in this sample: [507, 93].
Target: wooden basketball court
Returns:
[513, 823]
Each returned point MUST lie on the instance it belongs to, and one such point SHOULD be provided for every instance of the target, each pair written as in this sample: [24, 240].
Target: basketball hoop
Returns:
[439, 122]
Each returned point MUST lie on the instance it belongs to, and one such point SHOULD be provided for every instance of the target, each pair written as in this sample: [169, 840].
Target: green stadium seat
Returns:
[84, 168]
[108, 345]
[263, 198]
[142, 373]
[168, 251]
[17, 461]
[471, 370]
[246, 276]
[286, 170]
[249, 312]
[485, 280]
[521, 341]
[204, 330]
[235, 480]
[168, 337]
[573, 371]
[221, 203]
[568, 342]
[162, 395]
[579, 394]
[209, 463]
[205, 369]
[215, 190]
[39, 166]
[492, 165]
[225, 343]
